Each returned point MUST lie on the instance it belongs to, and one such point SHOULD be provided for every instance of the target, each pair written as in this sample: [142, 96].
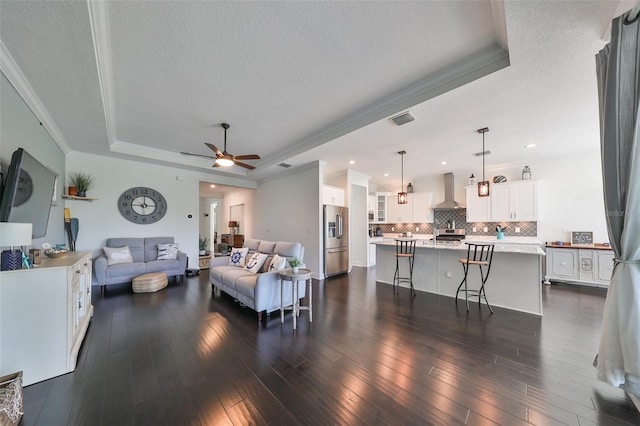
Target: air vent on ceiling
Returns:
[404, 118]
[285, 165]
[479, 154]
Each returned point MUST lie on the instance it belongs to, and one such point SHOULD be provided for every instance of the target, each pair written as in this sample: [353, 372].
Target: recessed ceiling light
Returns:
[212, 186]
[352, 161]
[531, 145]
[386, 174]
[443, 163]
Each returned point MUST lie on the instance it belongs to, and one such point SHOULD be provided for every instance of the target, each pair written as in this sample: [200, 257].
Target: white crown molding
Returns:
[465, 71]
[14, 74]
[99, 22]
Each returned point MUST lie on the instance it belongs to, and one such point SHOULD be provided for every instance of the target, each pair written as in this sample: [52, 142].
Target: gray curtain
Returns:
[618, 70]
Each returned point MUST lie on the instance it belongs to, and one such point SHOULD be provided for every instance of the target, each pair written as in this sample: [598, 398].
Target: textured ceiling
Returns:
[305, 81]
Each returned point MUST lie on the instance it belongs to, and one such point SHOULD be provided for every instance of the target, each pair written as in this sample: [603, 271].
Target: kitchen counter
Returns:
[515, 280]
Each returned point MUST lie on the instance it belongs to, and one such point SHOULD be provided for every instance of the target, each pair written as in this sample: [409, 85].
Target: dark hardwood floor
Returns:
[181, 357]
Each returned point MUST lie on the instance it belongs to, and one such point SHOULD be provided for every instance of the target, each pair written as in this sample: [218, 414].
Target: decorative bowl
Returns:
[499, 179]
[55, 254]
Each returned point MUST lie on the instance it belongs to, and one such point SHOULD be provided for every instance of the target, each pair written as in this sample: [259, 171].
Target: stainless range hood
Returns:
[449, 202]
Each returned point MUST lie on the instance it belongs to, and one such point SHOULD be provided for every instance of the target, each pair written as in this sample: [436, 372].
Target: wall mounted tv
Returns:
[27, 192]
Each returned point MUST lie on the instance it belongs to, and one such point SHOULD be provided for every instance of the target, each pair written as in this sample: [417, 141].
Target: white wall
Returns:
[101, 219]
[288, 208]
[240, 196]
[20, 128]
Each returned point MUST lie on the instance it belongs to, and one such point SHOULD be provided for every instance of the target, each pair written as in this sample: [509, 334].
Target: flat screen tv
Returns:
[27, 192]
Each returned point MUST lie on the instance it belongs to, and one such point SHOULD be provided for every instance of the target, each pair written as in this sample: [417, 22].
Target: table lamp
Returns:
[12, 235]
[233, 224]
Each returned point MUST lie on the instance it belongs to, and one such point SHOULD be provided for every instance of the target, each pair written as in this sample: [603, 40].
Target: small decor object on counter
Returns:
[526, 173]
[82, 182]
[472, 179]
[409, 188]
[295, 264]
[34, 256]
[582, 238]
[500, 232]
[499, 179]
[55, 253]
[73, 191]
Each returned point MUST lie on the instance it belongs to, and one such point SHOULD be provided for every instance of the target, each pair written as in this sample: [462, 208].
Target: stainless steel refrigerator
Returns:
[336, 240]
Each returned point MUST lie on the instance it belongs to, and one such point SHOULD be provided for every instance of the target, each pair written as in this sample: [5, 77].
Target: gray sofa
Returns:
[144, 252]
[259, 291]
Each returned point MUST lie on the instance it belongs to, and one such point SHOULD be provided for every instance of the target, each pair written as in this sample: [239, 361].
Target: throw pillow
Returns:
[117, 255]
[167, 251]
[278, 263]
[237, 256]
[255, 262]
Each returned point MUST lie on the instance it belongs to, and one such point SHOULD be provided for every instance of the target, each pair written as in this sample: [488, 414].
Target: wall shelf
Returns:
[73, 197]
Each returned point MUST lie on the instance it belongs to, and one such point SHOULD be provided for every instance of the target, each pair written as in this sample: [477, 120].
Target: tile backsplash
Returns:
[442, 217]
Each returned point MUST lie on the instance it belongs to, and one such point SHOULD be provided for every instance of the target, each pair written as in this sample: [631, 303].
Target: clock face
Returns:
[142, 205]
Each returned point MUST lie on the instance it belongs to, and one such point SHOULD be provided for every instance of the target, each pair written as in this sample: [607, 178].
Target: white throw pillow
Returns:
[237, 256]
[278, 263]
[167, 251]
[116, 255]
[255, 262]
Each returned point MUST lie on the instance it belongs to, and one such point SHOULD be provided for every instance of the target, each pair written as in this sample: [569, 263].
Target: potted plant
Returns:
[223, 248]
[82, 182]
[295, 264]
[203, 243]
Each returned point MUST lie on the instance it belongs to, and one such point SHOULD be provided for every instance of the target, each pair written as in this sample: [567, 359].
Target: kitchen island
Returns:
[515, 280]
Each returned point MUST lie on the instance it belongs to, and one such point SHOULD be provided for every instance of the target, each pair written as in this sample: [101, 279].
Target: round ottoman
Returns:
[149, 283]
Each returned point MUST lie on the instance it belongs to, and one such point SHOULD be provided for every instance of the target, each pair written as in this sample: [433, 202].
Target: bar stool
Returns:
[480, 254]
[405, 249]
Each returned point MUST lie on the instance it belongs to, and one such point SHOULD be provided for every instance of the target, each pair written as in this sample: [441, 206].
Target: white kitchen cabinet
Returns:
[381, 207]
[514, 201]
[478, 208]
[332, 195]
[44, 315]
[421, 207]
[372, 255]
[579, 265]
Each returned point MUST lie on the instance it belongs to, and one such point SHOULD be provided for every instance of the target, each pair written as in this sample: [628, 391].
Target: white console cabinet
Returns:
[44, 315]
[588, 266]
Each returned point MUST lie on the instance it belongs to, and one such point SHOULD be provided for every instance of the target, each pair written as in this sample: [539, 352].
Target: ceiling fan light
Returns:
[224, 162]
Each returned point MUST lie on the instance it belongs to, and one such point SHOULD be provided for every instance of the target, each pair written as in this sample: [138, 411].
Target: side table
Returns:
[295, 278]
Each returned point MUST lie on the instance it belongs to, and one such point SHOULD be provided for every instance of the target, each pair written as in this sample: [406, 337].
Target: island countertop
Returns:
[500, 246]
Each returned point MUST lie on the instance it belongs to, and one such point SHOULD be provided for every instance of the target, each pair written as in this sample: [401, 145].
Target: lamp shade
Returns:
[15, 234]
[233, 224]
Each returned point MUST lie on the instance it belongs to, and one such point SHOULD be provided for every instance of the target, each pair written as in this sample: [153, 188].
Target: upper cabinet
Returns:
[381, 207]
[514, 201]
[332, 195]
[508, 202]
[417, 210]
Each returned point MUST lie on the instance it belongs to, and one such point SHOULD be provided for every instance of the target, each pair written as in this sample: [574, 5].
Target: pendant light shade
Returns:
[483, 187]
[402, 196]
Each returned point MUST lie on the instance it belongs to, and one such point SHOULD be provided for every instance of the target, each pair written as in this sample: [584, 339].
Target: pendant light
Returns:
[402, 196]
[483, 187]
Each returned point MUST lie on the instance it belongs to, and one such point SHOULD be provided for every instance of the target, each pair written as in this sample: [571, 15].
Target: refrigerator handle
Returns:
[339, 220]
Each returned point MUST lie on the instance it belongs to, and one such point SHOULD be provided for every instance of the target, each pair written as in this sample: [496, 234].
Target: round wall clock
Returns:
[142, 205]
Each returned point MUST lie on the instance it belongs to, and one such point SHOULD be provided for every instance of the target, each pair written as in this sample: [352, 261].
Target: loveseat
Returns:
[259, 291]
[144, 259]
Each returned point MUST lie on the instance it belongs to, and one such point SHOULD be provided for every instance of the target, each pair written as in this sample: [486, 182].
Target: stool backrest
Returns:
[406, 246]
[480, 252]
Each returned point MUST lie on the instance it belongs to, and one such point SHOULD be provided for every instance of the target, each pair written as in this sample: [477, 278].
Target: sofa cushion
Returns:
[216, 273]
[246, 285]
[230, 276]
[136, 246]
[238, 256]
[116, 255]
[255, 262]
[266, 264]
[126, 269]
[151, 247]
[266, 247]
[163, 265]
[288, 249]
[252, 245]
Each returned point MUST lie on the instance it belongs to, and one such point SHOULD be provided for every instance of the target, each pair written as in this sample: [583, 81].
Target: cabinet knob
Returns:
[563, 263]
[78, 271]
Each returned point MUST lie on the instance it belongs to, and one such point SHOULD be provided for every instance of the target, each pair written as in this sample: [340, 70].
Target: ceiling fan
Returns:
[225, 159]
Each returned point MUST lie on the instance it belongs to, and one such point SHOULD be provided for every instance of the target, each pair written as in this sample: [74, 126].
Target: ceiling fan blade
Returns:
[214, 149]
[198, 155]
[246, 166]
[247, 157]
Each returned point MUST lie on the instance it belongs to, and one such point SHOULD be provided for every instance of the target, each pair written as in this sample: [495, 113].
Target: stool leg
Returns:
[411, 260]
[310, 300]
[482, 292]
[396, 276]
